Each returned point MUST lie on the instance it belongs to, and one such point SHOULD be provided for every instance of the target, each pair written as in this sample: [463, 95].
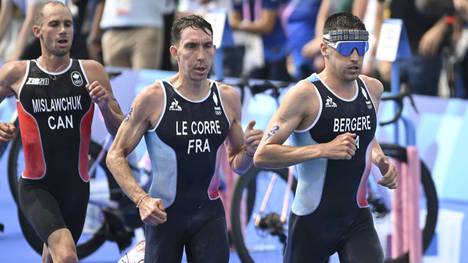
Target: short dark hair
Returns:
[343, 20]
[193, 21]
[39, 15]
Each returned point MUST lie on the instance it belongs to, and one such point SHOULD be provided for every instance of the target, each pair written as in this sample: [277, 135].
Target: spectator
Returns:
[133, 33]
[26, 46]
[300, 17]
[426, 34]
[263, 18]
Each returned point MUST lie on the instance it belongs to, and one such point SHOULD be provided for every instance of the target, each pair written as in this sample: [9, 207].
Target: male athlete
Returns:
[55, 96]
[332, 119]
[185, 120]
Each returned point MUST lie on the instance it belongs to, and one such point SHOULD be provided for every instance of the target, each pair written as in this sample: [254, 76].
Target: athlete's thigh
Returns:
[363, 244]
[163, 243]
[40, 208]
[74, 207]
[210, 243]
[308, 241]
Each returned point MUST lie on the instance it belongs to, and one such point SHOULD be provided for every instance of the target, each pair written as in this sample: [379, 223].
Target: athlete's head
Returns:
[53, 25]
[342, 21]
[345, 41]
[192, 46]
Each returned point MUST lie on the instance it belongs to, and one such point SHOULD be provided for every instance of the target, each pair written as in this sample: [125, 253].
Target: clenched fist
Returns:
[7, 132]
[252, 138]
[152, 211]
[343, 147]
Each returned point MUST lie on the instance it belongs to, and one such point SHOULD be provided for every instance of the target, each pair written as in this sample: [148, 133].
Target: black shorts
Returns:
[202, 232]
[314, 238]
[49, 207]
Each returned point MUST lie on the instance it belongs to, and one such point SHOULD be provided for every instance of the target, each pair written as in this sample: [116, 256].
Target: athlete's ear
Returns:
[324, 49]
[173, 50]
[36, 31]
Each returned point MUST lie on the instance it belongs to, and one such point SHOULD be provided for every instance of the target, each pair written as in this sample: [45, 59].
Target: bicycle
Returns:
[3, 149]
[269, 221]
[249, 214]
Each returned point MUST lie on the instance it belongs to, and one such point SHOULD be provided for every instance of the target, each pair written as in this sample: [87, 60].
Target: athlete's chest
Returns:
[193, 128]
[339, 116]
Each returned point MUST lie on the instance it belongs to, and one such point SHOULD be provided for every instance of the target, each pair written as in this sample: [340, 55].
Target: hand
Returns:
[343, 147]
[152, 211]
[431, 40]
[7, 132]
[385, 70]
[311, 48]
[390, 173]
[252, 138]
[99, 94]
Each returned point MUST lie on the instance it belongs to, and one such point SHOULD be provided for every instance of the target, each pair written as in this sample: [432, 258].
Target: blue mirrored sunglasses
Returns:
[345, 48]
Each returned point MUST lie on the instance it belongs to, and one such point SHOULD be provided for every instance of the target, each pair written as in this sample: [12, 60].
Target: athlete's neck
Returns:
[194, 90]
[343, 88]
[53, 63]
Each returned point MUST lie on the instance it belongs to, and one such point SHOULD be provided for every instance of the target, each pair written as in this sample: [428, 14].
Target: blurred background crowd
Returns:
[286, 33]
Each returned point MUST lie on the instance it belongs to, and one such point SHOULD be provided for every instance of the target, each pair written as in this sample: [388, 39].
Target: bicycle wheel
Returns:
[269, 232]
[15, 166]
[93, 235]
[429, 193]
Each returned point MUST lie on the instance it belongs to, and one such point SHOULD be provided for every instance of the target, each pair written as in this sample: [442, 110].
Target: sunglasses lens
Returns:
[345, 48]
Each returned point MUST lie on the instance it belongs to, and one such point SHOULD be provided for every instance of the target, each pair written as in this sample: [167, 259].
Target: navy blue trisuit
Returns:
[330, 212]
[184, 148]
[55, 113]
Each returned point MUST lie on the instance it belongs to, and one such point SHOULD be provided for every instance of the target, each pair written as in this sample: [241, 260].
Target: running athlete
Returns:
[55, 96]
[332, 119]
[185, 120]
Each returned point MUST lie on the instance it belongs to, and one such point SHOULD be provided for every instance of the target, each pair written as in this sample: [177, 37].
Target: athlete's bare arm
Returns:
[297, 111]
[11, 76]
[143, 115]
[101, 92]
[388, 170]
[240, 147]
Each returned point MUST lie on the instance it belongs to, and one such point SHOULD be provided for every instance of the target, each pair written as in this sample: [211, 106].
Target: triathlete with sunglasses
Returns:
[332, 119]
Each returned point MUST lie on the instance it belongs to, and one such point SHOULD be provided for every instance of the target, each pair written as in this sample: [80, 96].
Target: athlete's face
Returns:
[347, 68]
[194, 53]
[56, 30]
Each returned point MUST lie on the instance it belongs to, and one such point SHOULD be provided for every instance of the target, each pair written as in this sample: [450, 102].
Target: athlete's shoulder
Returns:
[149, 103]
[374, 85]
[14, 69]
[12, 73]
[90, 65]
[151, 94]
[228, 93]
[303, 90]
[95, 71]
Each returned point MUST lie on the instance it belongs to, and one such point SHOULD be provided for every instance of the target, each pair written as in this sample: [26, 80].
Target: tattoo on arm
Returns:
[272, 132]
[129, 114]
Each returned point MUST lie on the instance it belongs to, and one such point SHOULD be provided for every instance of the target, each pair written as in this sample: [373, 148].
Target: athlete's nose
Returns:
[354, 55]
[200, 54]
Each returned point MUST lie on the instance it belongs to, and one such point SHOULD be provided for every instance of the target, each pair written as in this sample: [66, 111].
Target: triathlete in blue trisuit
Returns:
[332, 119]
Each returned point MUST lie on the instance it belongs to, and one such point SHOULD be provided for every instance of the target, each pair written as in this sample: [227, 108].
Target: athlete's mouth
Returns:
[353, 67]
[200, 68]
